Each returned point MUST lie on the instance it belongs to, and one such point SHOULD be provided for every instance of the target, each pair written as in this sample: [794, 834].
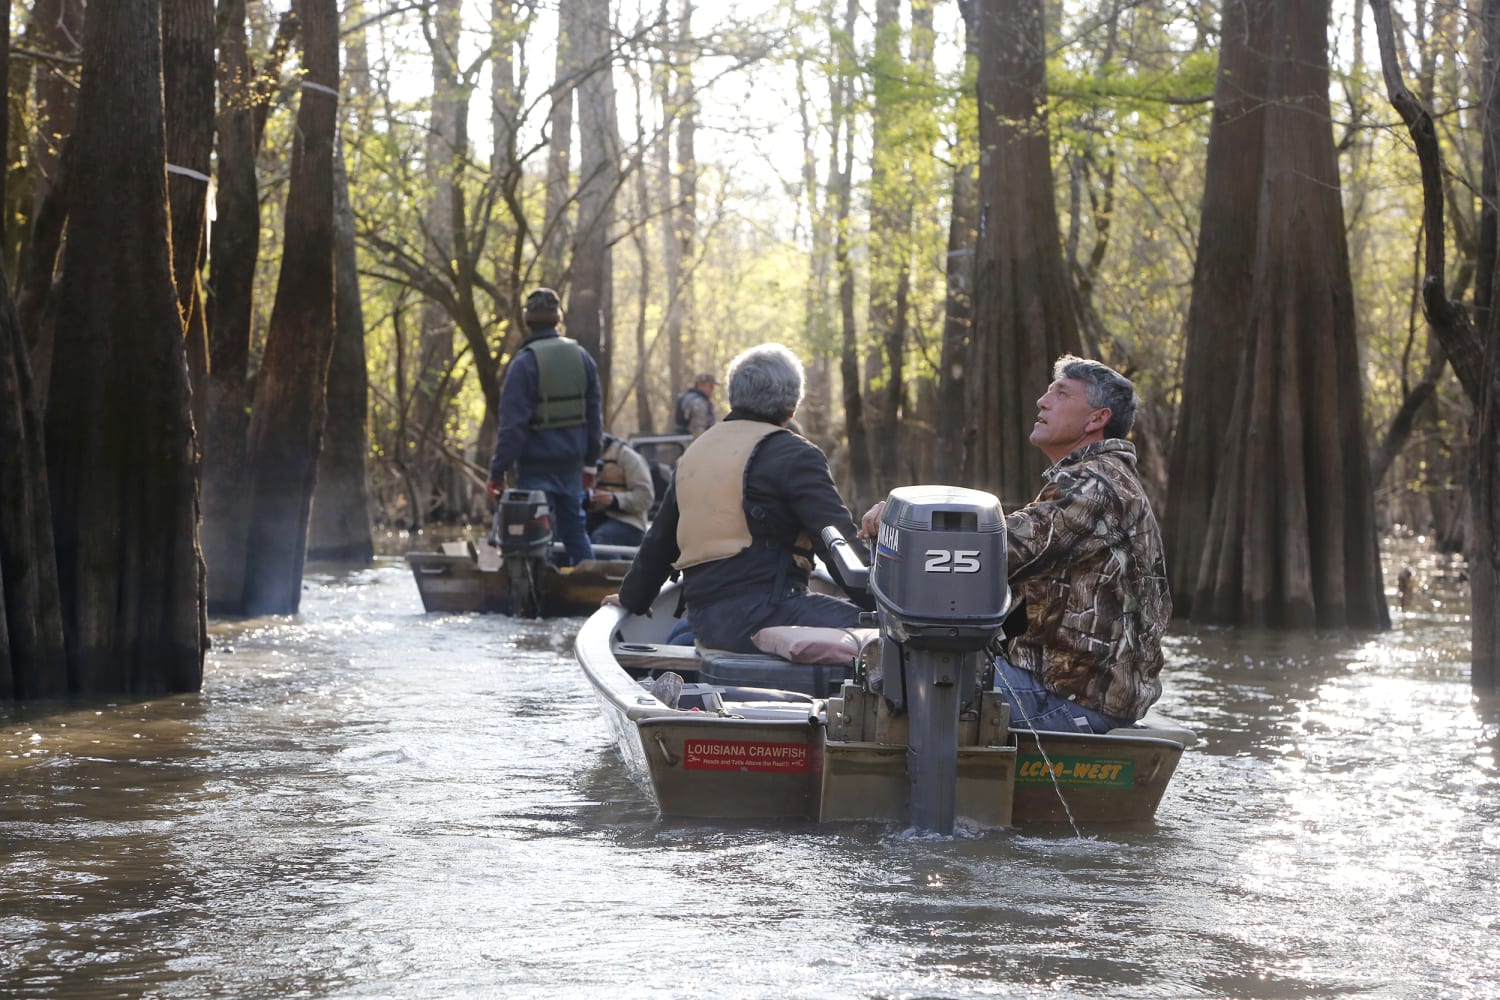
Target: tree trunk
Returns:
[890, 247]
[591, 299]
[556, 232]
[505, 100]
[1482, 386]
[684, 210]
[815, 303]
[55, 26]
[1023, 307]
[187, 40]
[1221, 289]
[672, 259]
[33, 661]
[1472, 353]
[286, 423]
[955, 430]
[234, 247]
[120, 450]
[1291, 534]
[861, 487]
[447, 153]
[340, 525]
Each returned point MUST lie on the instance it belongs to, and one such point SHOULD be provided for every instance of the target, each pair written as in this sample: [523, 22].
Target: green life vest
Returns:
[562, 383]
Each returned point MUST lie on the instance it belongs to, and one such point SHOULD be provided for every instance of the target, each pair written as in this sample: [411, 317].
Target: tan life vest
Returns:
[611, 472]
[710, 481]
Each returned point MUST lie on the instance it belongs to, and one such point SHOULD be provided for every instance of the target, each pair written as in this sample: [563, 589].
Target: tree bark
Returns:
[861, 487]
[590, 298]
[447, 154]
[286, 424]
[684, 211]
[1291, 534]
[234, 247]
[955, 431]
[33, 661]
[121, 456]
[556, 233]
[890, 247]
[1023, 307]
[188, 87]
[1472, 354]
[55, 26]
[340, 525]
[1221, 288]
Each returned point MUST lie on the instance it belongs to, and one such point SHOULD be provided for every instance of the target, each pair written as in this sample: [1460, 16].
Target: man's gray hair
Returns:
[1105, 387]
[765, 382]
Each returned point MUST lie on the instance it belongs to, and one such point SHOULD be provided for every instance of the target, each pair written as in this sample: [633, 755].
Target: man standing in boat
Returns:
[693, 413]
[551, 425]
[1086, 566]
[743, 516]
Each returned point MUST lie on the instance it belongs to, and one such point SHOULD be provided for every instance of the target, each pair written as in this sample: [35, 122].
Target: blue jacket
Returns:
[549, 458]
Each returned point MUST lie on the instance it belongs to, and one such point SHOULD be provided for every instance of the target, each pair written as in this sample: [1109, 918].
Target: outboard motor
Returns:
[941, 596]
[522, 531]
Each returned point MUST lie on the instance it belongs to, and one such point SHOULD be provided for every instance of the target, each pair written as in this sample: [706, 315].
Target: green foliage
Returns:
[1129, 118]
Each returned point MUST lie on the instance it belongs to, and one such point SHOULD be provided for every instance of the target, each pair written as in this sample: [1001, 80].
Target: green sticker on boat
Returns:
[1094, 772]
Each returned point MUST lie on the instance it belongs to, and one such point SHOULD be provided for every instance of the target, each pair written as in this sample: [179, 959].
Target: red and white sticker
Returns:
[734, 755]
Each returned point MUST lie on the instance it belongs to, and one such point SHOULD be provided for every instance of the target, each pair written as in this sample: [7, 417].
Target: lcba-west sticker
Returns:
[1091, 771]
[736, 755]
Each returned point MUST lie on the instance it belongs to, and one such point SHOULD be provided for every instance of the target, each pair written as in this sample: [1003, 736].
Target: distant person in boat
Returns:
[619, 501]
[693, 413]
[1083, 647]
[551, 426]
[744, 515]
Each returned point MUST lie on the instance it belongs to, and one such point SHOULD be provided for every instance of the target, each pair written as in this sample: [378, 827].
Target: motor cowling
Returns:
[939, 568]
[523, 522]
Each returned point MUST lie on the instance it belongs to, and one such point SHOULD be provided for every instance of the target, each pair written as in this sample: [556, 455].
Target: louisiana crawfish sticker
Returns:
[742, 755]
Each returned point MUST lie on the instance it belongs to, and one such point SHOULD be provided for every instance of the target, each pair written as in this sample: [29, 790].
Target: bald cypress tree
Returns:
[121, 457]
[1291, 538]
[1024, 311]
[286, 422]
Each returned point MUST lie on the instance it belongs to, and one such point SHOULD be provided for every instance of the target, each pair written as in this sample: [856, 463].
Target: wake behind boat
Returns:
[905, 731]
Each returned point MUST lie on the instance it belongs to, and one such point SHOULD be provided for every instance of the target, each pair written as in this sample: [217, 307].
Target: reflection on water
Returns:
[367, 801]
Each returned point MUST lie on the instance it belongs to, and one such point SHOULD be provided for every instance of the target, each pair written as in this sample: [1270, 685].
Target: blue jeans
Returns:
[571, 528]
[613, 532]
[1034, 707]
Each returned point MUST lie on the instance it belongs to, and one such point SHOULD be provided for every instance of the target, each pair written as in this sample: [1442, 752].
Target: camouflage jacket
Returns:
[1086, 558]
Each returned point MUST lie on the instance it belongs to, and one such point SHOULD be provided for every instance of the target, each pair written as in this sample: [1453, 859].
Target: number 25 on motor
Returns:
[952, 561]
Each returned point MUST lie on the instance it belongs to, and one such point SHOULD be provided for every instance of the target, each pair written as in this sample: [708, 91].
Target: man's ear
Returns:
[1098, 419]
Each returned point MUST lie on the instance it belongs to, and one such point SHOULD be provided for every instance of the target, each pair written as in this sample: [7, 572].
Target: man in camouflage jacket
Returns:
[1085, 559]
[1085, 564]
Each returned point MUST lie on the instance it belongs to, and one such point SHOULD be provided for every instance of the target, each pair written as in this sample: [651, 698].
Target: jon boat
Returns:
[465, 577]
[513, 572]
[903, 733]
[520, 558]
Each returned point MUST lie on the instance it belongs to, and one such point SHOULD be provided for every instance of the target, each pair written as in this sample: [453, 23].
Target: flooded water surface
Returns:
[368, 801]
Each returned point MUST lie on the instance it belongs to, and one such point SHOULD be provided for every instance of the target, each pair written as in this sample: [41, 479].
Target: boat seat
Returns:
[760, 670]
[463, 547]
[1159, 726]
